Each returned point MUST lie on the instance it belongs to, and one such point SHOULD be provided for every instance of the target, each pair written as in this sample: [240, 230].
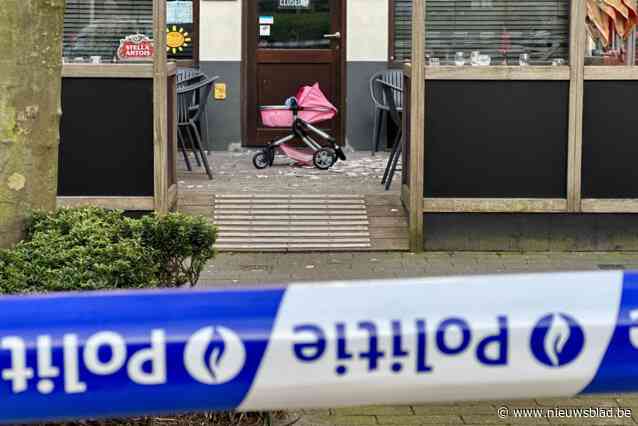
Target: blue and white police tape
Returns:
[405, 341]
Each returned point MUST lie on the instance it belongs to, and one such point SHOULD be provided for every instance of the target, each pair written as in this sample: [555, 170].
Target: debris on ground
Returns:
[233, 172]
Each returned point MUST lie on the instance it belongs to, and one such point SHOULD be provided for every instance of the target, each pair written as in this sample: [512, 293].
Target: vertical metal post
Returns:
[417, 127]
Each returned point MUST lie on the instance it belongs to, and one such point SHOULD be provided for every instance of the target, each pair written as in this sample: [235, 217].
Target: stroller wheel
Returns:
[324, 158]
[262, 159]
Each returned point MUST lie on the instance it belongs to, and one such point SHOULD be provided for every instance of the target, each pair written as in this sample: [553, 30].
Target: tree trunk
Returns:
[30, 87]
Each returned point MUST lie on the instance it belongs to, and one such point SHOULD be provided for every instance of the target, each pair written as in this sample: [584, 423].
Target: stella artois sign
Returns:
[136, 47]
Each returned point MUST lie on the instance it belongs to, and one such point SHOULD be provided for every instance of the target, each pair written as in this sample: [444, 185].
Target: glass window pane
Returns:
[504, 30]
[95, 27]
[611, 32]
[179, 29]
[603, 53]
[293, 24]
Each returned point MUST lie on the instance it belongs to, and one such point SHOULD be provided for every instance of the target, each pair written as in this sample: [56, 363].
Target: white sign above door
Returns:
[294, 4]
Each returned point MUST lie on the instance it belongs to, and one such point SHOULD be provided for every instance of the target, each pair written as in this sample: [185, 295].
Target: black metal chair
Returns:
[186, 74]
[381, 104]
[391, 93]
[188, 77]
[191, 106]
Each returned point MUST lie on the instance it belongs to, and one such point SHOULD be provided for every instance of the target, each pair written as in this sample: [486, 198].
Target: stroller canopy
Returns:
[311, 97]
[314, 107]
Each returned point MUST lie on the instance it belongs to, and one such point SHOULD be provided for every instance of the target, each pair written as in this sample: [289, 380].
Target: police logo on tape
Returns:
[214, 355]
[557, 339]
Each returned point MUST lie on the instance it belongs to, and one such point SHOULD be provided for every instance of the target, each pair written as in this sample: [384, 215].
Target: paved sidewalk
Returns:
[282, 268]
[258, 269]
[474, 413]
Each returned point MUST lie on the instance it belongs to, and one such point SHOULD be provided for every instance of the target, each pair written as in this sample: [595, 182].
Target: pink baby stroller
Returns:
[309, 107]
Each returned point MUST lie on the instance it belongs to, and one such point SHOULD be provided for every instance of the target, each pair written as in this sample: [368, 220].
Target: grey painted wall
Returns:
[224, 117]
[360, 114]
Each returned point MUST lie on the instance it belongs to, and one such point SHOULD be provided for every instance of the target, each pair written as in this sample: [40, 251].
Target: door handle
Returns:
[335, 36]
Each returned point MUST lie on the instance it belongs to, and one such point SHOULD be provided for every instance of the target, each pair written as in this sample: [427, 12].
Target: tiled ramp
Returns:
[314, 222]
[291, 222]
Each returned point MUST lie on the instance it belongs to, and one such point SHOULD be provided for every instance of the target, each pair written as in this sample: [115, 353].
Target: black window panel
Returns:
[609, 147]
[496, 139]
[106, 146]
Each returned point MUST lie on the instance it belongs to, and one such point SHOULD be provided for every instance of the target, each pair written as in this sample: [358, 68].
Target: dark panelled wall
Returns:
[610, 147]
[531, 232]
[496, 139]
[106, 146]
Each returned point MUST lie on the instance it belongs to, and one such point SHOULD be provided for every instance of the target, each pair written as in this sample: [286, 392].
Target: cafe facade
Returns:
[513, 110]
[263, 50]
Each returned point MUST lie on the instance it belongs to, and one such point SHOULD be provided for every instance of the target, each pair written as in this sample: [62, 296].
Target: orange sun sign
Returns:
[177, 39]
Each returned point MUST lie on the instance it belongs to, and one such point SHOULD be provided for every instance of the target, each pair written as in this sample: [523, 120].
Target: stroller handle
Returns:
[286, 107]
[274, 107]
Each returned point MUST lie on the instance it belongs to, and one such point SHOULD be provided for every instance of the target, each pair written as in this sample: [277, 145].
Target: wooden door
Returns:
[291, 43]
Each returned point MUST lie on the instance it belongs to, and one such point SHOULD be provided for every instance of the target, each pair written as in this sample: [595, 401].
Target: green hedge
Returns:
[92, 249]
